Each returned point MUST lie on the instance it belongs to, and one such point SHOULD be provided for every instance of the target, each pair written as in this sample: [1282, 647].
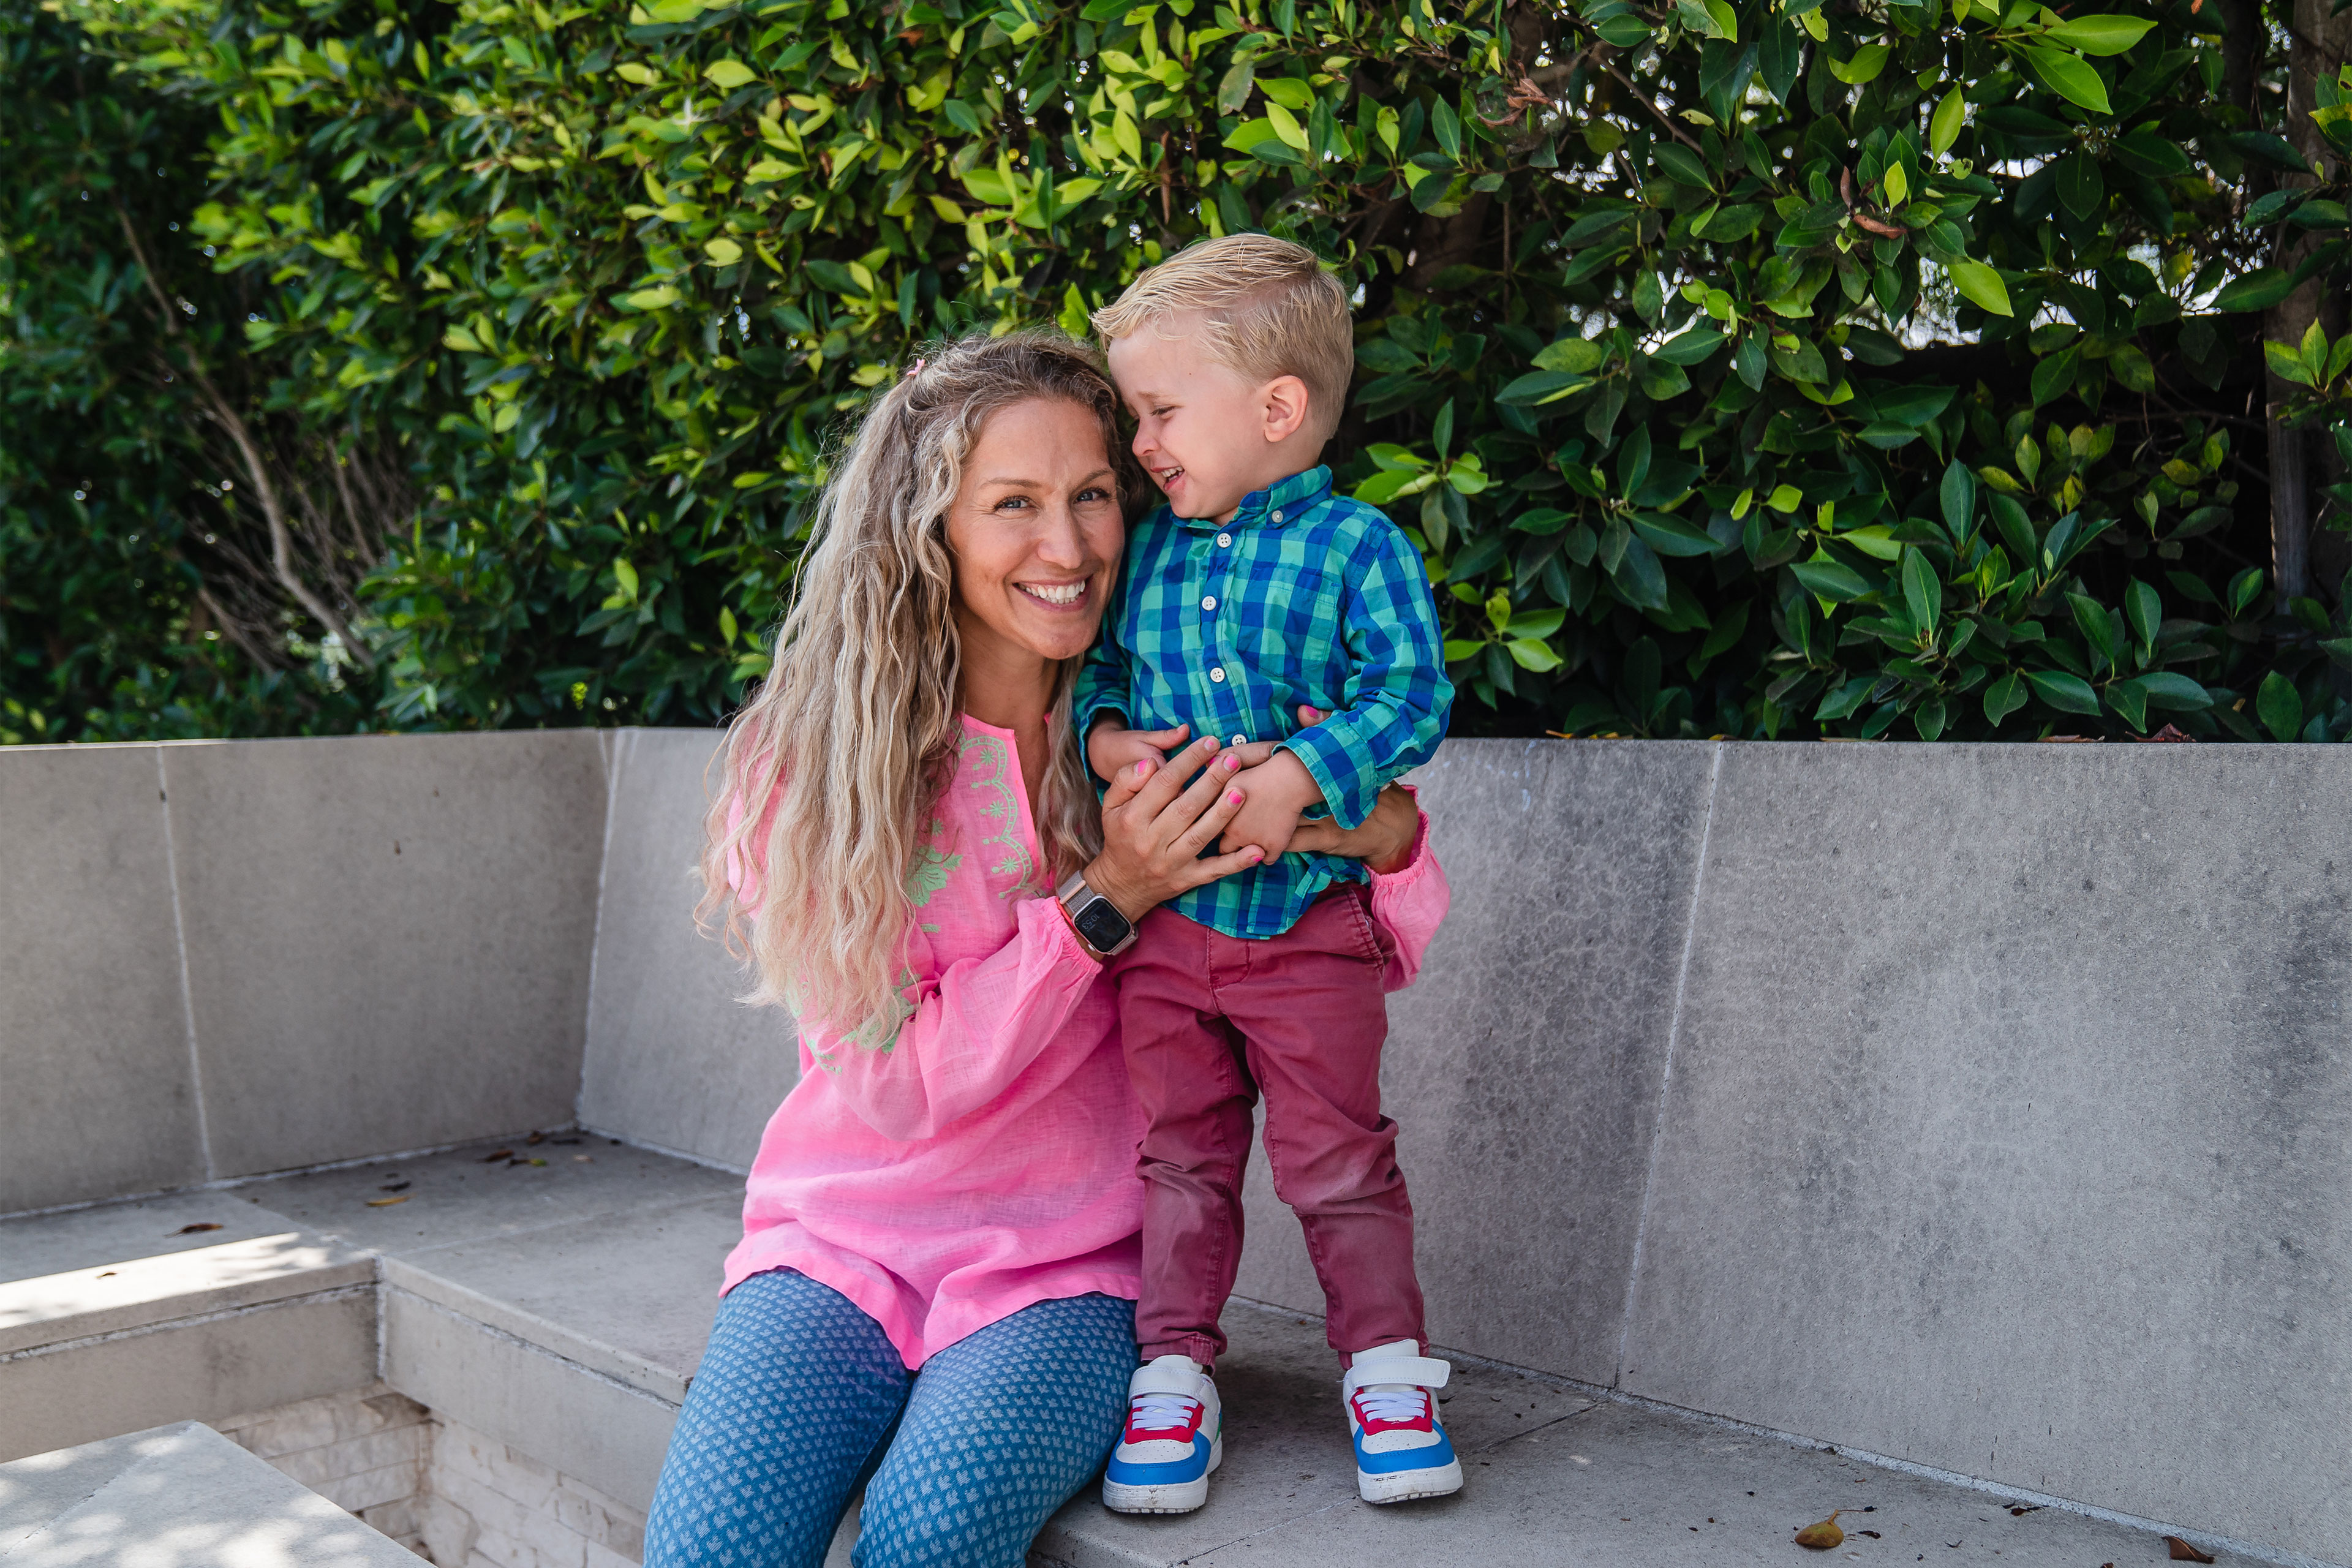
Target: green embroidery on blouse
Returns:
[995, 761]
[933, 866]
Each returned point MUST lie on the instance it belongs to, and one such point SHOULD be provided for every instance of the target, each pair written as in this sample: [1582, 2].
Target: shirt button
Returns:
[1223, 540]
[1241, 739]
[1210, 603]
[1217, 674]
[1277, 517]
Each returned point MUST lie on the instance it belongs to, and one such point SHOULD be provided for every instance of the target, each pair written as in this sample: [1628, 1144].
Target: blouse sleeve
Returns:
[1409, 904]
[970, 1029]
[974, 1027]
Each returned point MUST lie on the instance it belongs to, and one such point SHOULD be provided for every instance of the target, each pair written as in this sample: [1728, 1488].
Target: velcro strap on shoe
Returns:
[1421, 1371]
[1176, 1377]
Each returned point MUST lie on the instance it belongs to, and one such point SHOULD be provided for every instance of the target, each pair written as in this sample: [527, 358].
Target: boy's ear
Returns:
[1283, 402]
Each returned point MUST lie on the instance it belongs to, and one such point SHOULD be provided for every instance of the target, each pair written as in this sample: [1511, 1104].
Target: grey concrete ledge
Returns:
[182, 1495]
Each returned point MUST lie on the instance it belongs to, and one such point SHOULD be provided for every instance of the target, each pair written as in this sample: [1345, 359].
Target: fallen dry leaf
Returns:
[193, 1229]
[393, 1187]
[2184, 1553]
[387, 1203]
[496, 1154]
[2171, 733]
[536, 1137]
[107, 1275]
[1821, 1537]
[1872, 1533]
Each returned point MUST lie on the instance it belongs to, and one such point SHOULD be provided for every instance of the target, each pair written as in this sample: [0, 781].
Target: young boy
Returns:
[1256, 591]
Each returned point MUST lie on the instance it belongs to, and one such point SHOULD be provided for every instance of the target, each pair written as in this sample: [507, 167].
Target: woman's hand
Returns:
[1384, 840]
[1154, 829]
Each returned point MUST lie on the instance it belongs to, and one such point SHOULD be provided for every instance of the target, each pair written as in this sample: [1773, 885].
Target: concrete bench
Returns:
[559, 1309]
[1904, 1098]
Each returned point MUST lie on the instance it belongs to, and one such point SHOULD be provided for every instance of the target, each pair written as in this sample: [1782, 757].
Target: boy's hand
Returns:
[1279, 789]
[1110, 748]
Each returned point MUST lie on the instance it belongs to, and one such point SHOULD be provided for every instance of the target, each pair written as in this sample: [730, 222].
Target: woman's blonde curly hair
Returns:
[856, 728]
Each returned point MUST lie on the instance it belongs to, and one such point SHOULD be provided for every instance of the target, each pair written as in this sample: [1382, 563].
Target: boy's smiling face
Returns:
[1206, 434]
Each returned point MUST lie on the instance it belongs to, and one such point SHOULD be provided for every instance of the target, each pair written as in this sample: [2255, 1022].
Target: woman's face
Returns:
[1036, 531]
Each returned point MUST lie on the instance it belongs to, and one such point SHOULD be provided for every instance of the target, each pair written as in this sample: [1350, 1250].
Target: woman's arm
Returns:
[978, 1024]
[973, 1029]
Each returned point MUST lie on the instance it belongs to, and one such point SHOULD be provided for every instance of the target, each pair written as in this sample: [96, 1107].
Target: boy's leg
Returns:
[1003, 1428]
[1315, 1017]
[1185, 1063]
[794, 1398]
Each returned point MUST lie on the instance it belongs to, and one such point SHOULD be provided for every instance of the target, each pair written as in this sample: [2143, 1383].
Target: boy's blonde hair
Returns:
[1265, 308]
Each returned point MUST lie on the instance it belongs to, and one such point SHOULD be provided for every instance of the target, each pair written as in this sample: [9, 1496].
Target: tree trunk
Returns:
[2318, 45]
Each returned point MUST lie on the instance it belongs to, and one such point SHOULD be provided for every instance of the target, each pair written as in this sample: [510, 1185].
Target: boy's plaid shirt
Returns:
[1306, 597]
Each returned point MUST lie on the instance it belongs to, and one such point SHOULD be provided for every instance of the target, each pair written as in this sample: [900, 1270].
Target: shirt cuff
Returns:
[1309, 746]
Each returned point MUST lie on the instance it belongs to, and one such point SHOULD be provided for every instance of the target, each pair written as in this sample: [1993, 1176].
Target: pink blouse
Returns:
[984, 1158]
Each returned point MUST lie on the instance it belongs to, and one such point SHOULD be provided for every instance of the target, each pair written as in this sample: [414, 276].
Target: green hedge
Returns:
[1635, 287]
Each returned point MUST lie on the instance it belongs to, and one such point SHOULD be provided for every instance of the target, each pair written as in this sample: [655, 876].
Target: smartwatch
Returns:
[1096, 917]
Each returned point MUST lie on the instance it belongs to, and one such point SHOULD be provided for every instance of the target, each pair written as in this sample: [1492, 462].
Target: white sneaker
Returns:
[1174, 1439]
[1401, 1448]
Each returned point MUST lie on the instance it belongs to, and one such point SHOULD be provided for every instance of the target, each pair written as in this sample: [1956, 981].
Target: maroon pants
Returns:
[1211, 1021]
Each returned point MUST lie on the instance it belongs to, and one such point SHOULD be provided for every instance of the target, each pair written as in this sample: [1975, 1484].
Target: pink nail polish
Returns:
[1233, 798]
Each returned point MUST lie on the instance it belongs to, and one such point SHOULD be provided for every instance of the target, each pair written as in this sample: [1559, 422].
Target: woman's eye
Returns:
[1013, 501]
[1093, 493]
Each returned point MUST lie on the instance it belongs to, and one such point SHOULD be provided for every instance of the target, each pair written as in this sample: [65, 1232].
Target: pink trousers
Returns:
[1209, 1022]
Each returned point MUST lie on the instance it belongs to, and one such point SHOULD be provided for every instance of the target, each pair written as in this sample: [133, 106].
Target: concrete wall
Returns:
[1912, 1098]
[218, 959]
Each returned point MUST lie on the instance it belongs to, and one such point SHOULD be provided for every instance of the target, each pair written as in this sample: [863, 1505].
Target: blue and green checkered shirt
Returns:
[1305, 597]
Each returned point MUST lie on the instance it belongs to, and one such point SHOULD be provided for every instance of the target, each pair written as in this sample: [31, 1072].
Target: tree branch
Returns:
[256, 471]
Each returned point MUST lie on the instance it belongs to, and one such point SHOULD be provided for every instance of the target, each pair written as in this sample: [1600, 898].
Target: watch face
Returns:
[1101, 924]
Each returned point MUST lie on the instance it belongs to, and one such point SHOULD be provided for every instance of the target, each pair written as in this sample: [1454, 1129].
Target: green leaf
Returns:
[2066, 692]
[1959, 495]
[1923, 591]
[2105, 34]
[1696, 345]
[2257, 290]
[2286, 364]
[1827, 579]
[1233, 90]
[1541, 386]
[2177, 692]
[2279, 706]
[1979, 284]
[2091, 620]
[1670, 536]
[729, 75]
[1574, 355]
[2145, 610]
[2070, 76]
[1681, 164]
[2004, 697]
[1529, 654]
[1639, 577]
[2128, 699]
[1446, 126]
[1944, 129]
[1864, 69]
[2053, 376]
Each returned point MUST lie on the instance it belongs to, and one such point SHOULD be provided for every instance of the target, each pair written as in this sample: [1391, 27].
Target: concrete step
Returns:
[181, 1496]
[1553, 1476]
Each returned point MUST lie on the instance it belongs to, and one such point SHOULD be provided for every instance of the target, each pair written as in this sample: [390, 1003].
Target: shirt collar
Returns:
[1288, 499]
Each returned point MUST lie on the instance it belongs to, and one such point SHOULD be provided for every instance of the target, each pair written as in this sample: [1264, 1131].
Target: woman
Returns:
[934, 1292]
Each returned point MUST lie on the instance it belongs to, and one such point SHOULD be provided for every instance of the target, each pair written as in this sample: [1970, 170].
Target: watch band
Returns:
[1099, 923]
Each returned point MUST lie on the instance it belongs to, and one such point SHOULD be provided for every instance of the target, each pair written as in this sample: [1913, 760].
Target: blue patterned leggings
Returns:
[801, 1397]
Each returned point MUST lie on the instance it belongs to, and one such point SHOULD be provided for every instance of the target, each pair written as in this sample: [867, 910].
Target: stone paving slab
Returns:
[1553, 1477]
[176, 1497]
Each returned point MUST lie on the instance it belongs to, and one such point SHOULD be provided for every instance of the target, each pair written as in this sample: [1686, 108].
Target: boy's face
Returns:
[1206, 434]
